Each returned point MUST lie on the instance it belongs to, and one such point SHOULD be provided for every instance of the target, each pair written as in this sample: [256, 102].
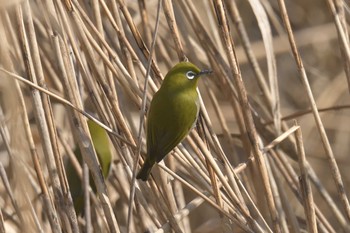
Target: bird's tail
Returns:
[145, 171]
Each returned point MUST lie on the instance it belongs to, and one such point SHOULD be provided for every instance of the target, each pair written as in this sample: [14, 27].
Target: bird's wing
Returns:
[164, 135]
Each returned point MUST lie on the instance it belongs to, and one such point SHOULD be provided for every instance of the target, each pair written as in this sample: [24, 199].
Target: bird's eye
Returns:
[190, 74]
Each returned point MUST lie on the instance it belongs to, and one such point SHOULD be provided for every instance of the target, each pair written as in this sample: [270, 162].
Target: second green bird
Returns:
[173, 112]
[100, 140]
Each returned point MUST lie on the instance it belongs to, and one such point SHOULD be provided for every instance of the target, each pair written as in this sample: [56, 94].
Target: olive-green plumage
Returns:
[172, 113]
[100, 140]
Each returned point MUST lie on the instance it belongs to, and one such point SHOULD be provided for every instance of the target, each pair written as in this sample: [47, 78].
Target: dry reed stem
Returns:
[38, 107]
[247, 46]
[137, 36]
[292, 179]
[294, 182]
[2, 225]
[182, 213]
[9, 191]
[288, 213]
[266, 33]
[69, 104]
[326, 144]
[327, 197]
[142, 118]
[305, 186]
[84, 141]
[35, 216]
[169, 14]
[242, 97]
[221, 156]
[337, 9]
[242, 224]
[36, 163]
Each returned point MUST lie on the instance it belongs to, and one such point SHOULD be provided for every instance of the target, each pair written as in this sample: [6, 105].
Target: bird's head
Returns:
[183, 75]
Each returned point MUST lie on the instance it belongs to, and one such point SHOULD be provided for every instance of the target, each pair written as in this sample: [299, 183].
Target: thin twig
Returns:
[142, 117]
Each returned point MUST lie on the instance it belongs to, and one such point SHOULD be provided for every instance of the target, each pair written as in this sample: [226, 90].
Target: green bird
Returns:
[100, 140]
[173, 112]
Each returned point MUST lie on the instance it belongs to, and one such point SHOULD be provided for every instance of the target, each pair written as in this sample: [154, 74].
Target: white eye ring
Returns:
[190, 75]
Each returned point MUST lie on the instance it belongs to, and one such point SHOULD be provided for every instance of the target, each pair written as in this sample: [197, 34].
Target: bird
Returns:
[172, 113]
[101, 144]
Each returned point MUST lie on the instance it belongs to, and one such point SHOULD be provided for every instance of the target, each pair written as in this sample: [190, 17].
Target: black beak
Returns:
[204, 72]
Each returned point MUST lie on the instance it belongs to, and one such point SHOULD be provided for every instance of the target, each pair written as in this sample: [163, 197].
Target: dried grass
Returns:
[278, 98]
